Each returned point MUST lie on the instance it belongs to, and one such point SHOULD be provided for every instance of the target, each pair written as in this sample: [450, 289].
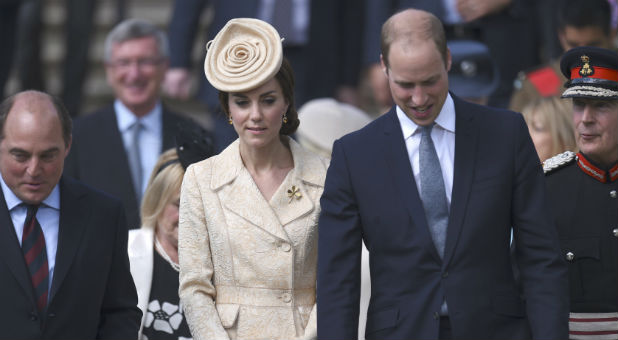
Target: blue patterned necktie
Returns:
[433, 193]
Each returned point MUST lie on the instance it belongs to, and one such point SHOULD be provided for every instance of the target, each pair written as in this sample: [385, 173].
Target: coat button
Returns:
[436, 316]
[615, 231]
[285, 247]
[612, 194]
[33, 316]
[286, 297]
[570, 256]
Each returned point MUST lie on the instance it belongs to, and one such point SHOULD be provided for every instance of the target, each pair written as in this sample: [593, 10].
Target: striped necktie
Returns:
[35, 253]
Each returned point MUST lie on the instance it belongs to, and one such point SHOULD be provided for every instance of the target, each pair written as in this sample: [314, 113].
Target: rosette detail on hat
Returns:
[245, 54]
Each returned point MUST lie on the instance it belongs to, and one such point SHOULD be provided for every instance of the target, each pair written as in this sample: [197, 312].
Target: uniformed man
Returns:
[580, 23]
[582, 190]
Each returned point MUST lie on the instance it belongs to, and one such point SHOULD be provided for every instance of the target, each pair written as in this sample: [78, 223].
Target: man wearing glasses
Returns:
[116, 147]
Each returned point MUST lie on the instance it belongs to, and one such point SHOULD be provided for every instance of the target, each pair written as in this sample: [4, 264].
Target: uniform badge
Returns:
[586, 70]
[558, 161]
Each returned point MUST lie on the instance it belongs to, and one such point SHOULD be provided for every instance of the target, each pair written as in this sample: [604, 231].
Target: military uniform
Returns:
[584, 201]
[541, 82]
[583, 197]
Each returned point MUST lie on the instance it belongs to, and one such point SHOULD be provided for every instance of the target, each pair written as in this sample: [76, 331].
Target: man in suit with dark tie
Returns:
[64, 268]
[434, 188]
[116, 147]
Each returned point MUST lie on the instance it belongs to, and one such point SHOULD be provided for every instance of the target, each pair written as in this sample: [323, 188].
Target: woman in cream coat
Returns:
[248, 216]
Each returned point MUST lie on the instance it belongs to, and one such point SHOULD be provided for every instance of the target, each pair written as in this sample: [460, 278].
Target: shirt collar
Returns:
[126, 118]
[445, 119]
[12, 201]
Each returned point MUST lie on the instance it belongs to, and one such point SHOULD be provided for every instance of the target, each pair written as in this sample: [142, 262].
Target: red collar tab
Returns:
[597, 72]
[596, 173]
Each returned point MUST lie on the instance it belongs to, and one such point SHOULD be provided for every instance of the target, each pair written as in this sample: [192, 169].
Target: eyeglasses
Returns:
[142, 63]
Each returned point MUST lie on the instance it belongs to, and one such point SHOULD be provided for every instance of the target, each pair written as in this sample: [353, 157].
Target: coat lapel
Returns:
[141, 243]
[242, 196]
[466, 135]
[302, 177]
[10, 251]
[398, 162]
[74, 215]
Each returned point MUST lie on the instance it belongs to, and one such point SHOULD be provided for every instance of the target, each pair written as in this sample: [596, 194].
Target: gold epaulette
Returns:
[558, 161]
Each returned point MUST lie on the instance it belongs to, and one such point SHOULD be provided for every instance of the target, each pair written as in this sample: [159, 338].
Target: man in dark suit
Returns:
[64, 268]
[116, 147]
[434, 189]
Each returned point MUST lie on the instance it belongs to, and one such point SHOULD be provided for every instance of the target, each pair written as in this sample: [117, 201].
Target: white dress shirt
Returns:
[150, 141]
[48, 216]
[443, 137]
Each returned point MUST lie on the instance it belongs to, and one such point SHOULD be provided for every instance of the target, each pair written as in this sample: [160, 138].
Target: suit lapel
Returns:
[115, 149]
[73, 220]
[466, 135]
[398, 162]
[10, 251]
[169, 127]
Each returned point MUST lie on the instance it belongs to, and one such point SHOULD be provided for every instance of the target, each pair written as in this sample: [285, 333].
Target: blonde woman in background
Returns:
[550, 124]
[153, 249]
[248, 216]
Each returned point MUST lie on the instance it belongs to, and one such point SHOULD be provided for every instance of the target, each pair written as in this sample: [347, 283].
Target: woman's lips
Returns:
[256, 129]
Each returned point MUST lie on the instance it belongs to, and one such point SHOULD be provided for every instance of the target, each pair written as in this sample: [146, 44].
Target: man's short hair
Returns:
[585, 13]
[134, 29]
[63, 114]
[429, 28]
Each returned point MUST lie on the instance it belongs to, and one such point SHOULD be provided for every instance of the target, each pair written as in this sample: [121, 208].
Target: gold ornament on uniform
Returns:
[294, 192]
[586, 70]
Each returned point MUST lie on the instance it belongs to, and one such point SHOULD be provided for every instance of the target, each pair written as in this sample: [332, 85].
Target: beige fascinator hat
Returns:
[243, 55]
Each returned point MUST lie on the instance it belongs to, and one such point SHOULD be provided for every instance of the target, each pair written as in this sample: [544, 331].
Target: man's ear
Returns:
[66, 152]
[383, 65]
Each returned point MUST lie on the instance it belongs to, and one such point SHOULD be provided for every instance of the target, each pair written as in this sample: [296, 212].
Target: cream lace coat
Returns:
[248, 266]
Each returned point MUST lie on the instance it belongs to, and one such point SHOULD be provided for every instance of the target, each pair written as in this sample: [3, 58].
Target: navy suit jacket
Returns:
[98, 157]
[92, 293]
[370, 195]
